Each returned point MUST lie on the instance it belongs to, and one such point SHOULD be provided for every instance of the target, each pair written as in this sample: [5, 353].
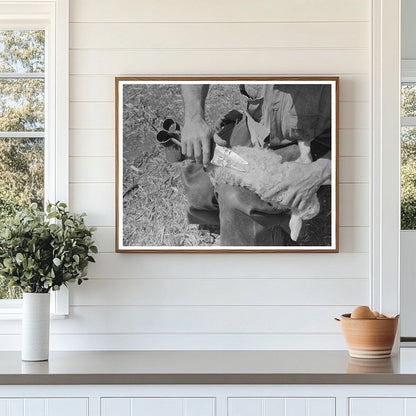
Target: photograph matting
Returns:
[159, 188]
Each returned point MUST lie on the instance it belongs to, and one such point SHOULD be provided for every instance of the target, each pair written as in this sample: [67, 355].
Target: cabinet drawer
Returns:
[276, 406]
[382, 406]
[160, 406]
[44, 407]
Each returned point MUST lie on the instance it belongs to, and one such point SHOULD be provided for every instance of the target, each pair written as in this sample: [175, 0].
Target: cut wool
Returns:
[264, 171]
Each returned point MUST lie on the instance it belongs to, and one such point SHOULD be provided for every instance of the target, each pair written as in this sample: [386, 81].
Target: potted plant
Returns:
[40, 252]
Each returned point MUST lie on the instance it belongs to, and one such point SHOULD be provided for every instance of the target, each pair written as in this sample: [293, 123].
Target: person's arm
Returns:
[303, 181]
[319, 174]
[196, 134]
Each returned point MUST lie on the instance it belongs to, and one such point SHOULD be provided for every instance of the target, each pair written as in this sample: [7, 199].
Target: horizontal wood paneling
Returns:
[352, 239]
[201, 319]
[101, 115]
[96, 199]
[232, 61]
[354, 142]
[218, 35]
[353, 169]
[258, 301]
[94, 143]
[92, 115]
[354, 208]
[354, 115]
[217, 11]
[221, 291]
[92, 88]
[92, 169]
[194, 320]
[104, 238]
[100, 88]
[146, 342]
[206, 266]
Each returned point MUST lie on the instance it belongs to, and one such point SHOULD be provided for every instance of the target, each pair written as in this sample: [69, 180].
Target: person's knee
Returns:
[198, 188]
[230, 197]
[241, 199]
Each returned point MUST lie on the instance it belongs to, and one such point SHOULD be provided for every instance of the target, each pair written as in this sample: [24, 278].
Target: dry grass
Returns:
[155, 204]
[155, 209]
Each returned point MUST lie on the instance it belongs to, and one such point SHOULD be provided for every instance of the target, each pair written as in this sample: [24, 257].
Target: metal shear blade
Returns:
[226, 158]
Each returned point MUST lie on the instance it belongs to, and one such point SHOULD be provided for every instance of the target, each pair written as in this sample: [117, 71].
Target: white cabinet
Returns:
[146, 406]
[208, 400]
[44, 407]
[281, 406]
[382, 407]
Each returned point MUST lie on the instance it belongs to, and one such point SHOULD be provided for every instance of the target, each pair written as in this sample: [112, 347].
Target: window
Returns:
[22, 124]
[408, 202]
[408, 154]
[33, 111]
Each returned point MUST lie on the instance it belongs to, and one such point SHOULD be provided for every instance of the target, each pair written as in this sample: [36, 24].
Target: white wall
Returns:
[408, 29]
[218, 301]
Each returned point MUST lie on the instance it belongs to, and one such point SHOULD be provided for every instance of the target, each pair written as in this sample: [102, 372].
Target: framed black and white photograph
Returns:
[235, 164]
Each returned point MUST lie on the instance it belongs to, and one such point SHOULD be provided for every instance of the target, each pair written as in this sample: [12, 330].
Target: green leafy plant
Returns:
[43, 251]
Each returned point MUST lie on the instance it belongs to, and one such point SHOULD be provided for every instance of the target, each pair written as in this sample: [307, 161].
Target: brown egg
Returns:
[376, 314]
[362, 312]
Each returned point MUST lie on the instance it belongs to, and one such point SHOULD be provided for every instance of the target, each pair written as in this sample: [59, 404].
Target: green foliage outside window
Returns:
[21, 110]
[408, 160]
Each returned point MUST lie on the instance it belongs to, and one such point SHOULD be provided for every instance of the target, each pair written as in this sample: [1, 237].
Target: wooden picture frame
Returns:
[283, 128]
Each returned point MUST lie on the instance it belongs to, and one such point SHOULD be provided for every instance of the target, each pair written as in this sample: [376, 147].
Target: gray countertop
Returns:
[207, 367]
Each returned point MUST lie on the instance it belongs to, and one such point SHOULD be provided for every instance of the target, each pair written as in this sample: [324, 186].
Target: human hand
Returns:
[196, 140]
[302, 182]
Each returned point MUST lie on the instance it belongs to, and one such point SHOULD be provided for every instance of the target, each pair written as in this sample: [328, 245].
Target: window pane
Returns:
[408, 99]
[21, 173]
[22, 51]
[21, 182]
[408, 178]
[21, 109]
[7, 292]
[22, 105]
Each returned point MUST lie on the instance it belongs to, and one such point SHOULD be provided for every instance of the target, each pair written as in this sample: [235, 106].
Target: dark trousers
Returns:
[244, 219]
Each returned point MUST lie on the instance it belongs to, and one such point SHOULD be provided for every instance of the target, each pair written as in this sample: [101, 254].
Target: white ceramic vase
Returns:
[35, 326]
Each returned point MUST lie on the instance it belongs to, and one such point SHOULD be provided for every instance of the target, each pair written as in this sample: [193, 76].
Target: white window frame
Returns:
[53, 17]
[385, 150]
[408, 75]
[408, 237]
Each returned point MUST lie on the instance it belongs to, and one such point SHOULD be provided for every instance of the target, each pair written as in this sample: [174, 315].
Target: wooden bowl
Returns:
[369, 366]
[369, 338]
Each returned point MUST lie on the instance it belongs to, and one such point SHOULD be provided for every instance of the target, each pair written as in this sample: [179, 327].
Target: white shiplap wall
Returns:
[181, 301]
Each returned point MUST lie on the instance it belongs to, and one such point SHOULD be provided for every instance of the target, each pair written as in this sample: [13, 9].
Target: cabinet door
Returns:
[160, 406]
[382, 407]
[44, 407]
[257, 406]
